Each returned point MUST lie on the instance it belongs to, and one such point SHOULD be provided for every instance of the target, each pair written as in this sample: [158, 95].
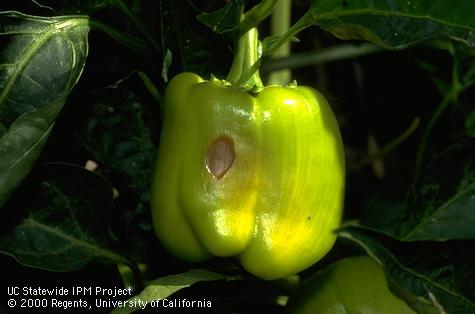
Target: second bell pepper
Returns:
[354, 284]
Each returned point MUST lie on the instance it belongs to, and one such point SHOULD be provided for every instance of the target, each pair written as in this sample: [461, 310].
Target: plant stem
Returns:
[450, 98]
[389, 147]
[280, 24]
[301, 24]
[123, 7]
[121, 37]
[444, 104]
[244, 71]
[337, 53]
[254, 16]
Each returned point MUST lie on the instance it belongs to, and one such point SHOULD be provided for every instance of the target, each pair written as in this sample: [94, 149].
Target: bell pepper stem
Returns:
[254, 16]
[244, 71]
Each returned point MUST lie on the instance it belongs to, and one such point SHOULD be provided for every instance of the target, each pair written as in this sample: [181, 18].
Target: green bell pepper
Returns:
[352, 285]
[259, 175]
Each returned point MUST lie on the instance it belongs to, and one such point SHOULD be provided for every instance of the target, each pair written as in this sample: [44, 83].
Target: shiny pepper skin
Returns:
[256, 176]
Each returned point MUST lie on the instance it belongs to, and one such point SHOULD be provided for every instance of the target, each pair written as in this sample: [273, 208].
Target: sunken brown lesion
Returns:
[220, 157]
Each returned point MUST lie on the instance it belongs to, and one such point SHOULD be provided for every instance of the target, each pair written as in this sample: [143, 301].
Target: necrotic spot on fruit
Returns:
[220, 156]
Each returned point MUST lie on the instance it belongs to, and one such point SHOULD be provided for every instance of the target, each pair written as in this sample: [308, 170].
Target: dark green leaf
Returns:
[382, 214]
[65, 227]
[396, 23]
[432, 273]
[193, 47]
[48, 7]
[441, 202]
[166, 286]
[41, 62]
[225, 19]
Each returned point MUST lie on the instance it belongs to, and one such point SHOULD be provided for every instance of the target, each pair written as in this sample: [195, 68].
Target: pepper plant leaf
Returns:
[41, 60]
[64, 226]
[440, 203]
[392, 24]
[163, 287]
[225, 19]
[425, 280]
[181, 33]
[396, 23]
[65, 7]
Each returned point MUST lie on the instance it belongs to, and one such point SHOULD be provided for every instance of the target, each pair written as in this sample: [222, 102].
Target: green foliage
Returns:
[396, 24]
[225, 19]
[42, 62]
[438, 209]
[65, 225]
[392, 24]
[162, 288]
[438, 202]
[423, 273]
